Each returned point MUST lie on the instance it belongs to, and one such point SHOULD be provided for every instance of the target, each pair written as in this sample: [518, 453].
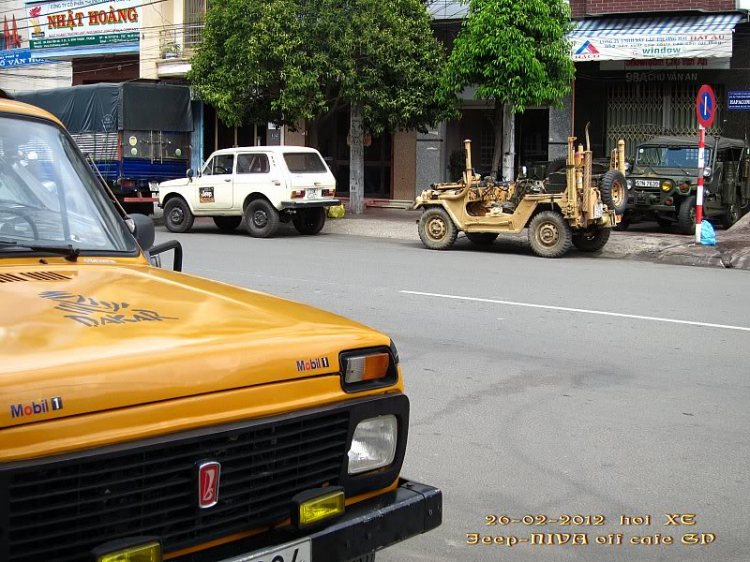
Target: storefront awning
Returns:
[680, 37]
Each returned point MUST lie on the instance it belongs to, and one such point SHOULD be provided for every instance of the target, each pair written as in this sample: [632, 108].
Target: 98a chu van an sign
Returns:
[81, 23]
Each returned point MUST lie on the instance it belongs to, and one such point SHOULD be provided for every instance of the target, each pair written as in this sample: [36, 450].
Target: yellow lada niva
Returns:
[148, 415]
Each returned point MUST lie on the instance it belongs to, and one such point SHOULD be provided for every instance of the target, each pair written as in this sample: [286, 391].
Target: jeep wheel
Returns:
[686, 215]
[744, 205]
[436, 229]
[261, 219]
[550, 235]
[310, 221]
[592, 241]
[614, 191]
[731, 216]
[227, 224]
[177, 215]
[481, 238]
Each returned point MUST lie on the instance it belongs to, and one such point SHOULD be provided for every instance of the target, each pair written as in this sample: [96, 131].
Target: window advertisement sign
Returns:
[672, 46]
[83, 23]
[650, 38]
[738, 100]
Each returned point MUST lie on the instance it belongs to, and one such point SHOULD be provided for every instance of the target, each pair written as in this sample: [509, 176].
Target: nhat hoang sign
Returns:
[82, 23]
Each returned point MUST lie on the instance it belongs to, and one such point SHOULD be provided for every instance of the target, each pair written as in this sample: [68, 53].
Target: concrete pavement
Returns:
[539, 387]
[641, 242]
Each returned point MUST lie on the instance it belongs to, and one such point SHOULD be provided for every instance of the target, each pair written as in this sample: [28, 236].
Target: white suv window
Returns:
[304, 163]
[253, 164]
[221, 164]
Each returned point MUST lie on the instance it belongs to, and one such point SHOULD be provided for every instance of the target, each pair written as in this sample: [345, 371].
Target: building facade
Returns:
[21, 67]
[640, 64]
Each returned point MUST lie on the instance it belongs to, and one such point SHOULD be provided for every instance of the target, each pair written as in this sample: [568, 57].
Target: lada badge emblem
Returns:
[209, 474]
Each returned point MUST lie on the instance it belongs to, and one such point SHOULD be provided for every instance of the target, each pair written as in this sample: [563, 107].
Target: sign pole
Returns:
[699, 198]
[705, 109]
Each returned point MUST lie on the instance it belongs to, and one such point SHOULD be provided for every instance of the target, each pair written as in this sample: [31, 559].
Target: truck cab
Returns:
[149, 415]
[264, 186]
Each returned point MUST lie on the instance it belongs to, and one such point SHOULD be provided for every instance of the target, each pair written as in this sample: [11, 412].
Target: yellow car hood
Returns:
[83, 338]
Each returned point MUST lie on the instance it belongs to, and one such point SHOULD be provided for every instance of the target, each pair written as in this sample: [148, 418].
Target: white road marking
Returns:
[581, 311]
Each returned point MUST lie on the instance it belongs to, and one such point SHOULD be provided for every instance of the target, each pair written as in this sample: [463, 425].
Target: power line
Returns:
[98, 2]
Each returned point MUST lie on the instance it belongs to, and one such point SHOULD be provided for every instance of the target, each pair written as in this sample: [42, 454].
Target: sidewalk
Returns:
[733, 250]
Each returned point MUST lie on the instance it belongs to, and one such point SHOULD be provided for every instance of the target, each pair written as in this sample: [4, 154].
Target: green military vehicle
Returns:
[663, 182]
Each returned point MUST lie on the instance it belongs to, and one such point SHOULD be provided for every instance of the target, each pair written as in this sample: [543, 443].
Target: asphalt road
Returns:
[580, 386]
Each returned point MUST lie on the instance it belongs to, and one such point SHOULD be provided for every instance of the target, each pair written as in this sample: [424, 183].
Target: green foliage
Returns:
[288, 60]
[515, 52]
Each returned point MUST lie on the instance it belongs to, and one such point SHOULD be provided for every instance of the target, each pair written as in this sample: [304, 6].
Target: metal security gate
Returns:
[637, 111]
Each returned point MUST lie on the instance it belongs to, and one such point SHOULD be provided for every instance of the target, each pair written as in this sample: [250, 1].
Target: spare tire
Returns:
[614, 191]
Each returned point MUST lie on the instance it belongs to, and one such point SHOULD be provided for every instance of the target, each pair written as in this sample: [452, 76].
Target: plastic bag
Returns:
[336, 212]
[708, 235]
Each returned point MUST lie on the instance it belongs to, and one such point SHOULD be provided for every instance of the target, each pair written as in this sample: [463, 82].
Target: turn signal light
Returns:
[329, 192]
[315, 506]
[298, 194]
[366, 368]
[118, 551]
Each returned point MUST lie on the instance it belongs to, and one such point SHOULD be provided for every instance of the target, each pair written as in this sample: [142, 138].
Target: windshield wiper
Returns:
[653, 171]
[69, 252]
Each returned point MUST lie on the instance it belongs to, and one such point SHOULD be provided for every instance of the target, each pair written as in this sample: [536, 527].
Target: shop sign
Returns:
[83, 23]
[738, 100]
[629, 46]
[666, 64]
[661, 77]
[19, 57]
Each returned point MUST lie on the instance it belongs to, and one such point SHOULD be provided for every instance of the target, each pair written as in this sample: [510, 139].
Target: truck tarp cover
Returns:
[155, 107]
[82, 109]
[132, 106]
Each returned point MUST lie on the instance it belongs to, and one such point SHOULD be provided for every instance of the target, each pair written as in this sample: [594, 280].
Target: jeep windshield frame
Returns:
[670, 157]
[49, 195]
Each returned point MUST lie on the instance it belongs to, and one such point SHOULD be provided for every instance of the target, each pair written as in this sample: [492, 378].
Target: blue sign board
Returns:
[19, 57]
[738, 100]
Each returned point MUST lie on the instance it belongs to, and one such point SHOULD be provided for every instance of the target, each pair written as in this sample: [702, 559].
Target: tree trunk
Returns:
[509, 143]
[356, 161]
[497, 125]
[311, 125]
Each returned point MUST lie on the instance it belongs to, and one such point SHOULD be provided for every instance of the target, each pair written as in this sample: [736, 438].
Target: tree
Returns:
[517, 55]
[286, 61]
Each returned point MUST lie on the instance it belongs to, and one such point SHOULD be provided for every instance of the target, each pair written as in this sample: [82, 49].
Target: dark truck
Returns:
[663, 182]
[136, 134]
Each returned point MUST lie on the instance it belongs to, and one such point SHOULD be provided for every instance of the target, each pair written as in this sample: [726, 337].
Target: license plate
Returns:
[598, 211]
[312, 194]
[292, 552]
[153, 186]
[647, 183]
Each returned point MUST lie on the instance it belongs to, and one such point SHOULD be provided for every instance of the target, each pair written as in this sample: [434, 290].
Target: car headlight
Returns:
[667, 186]
[373, 444]
[707, 171]
[630, 184]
